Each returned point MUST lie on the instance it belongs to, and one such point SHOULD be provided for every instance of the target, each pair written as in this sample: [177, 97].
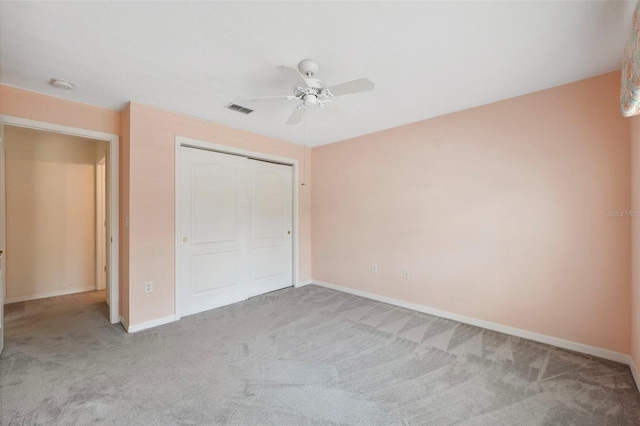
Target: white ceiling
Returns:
[426, 58]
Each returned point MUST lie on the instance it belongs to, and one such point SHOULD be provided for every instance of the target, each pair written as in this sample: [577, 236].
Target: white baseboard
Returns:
[149, 324]
[303, 283]
[542, 338]
[635, 372]
[49, 294]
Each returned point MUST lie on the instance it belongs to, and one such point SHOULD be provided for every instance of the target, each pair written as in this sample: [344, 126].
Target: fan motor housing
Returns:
[315, 84]
[314, 87]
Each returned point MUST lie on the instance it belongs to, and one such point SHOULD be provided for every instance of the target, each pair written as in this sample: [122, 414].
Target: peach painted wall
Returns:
[635, 240]
[124, 212]
[35, 106]
[152, 201]
[50, 213]
[498, 212]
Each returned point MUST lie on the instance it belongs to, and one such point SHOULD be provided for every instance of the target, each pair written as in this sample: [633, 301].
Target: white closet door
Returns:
[214, 221]
[236, 218]
[270, 243]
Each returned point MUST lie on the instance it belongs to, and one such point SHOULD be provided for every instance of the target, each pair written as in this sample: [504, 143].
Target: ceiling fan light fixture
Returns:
[310, 99]
[61, 84]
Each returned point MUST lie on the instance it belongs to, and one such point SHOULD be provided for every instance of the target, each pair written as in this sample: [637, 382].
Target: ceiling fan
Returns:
[312, 91]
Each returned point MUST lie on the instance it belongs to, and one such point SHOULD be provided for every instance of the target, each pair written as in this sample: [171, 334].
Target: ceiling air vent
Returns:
[239, 108]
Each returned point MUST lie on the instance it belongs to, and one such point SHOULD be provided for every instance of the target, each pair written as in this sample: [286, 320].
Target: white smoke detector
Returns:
[61, 84]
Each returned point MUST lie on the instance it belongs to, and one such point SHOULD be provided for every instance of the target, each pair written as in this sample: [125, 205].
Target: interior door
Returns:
[270, 244]
[213, 230]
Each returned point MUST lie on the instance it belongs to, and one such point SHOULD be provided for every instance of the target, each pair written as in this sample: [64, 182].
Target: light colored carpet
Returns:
[295, 357]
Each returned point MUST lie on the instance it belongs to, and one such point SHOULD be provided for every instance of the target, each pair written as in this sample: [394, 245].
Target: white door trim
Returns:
[225, 149]
[101, 235]
[112, 195]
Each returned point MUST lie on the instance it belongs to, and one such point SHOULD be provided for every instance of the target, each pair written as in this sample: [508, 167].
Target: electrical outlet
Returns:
[148, 286]
[374, 269]
[405, 274]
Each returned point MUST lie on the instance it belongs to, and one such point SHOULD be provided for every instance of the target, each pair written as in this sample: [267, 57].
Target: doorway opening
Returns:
[61, 214]
[54, 203]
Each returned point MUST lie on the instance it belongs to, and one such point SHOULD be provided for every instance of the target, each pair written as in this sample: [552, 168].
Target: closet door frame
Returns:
[225, 149]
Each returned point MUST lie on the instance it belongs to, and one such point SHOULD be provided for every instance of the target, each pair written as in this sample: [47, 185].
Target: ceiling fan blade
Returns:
[294, 75]
[296, 115]
[264, 98]
[355, 86]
